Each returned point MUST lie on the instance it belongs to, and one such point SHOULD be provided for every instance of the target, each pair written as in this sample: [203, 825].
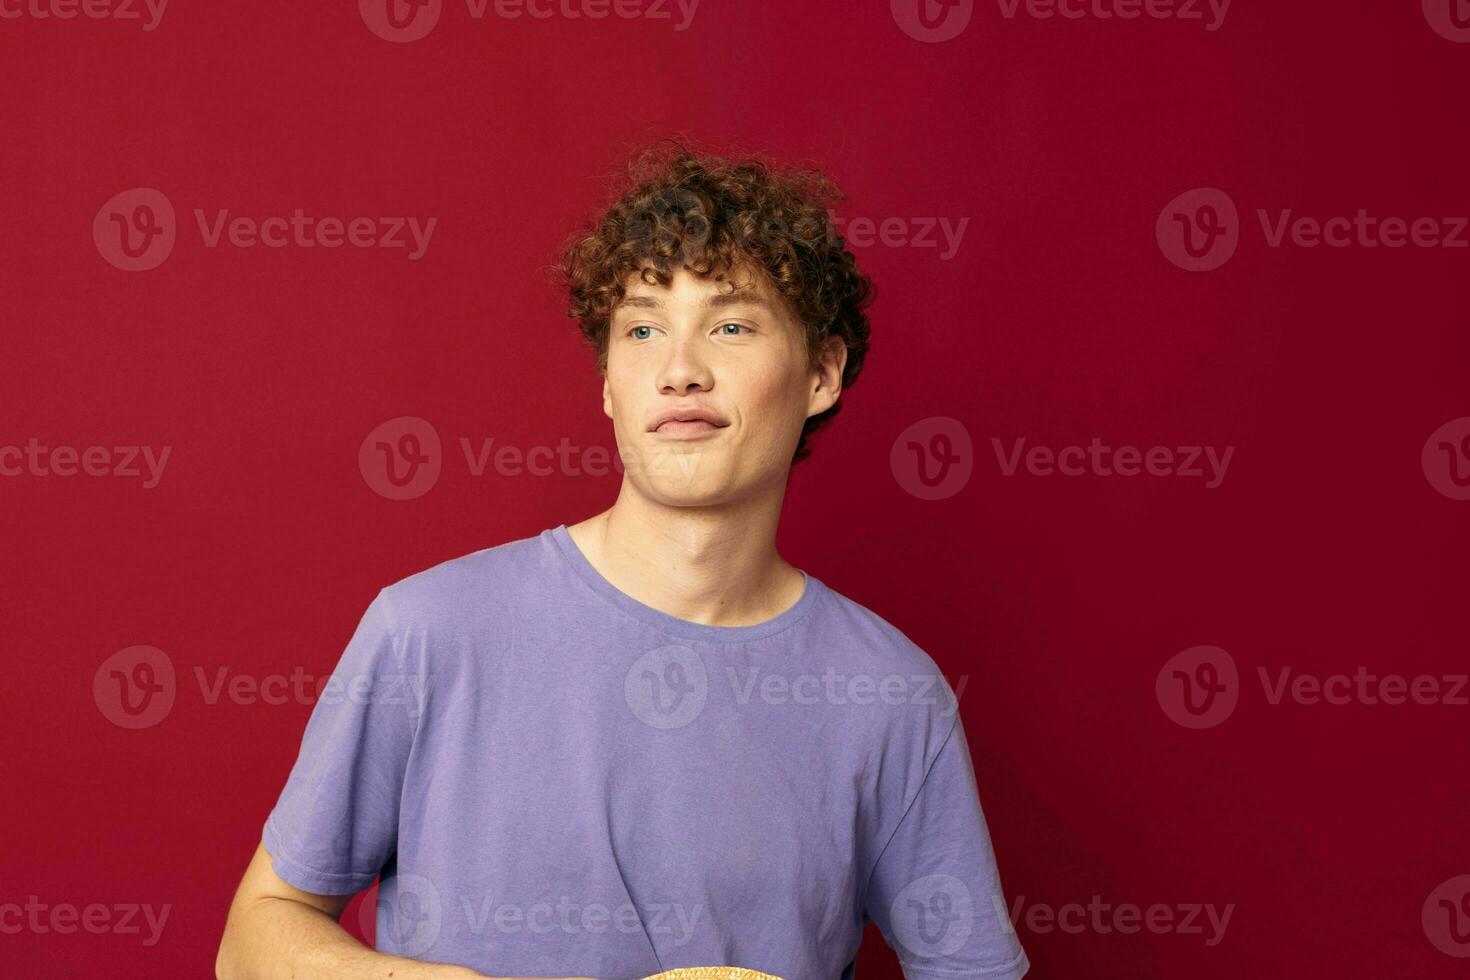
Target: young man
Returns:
[645, 741]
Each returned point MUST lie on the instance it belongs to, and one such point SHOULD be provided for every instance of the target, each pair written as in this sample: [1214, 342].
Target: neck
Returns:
[717, 566]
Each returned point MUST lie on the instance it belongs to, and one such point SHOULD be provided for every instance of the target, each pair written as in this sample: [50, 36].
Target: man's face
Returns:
[694, 348]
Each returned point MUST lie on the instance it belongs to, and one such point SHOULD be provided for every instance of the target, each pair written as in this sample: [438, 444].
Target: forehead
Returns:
[686, 288]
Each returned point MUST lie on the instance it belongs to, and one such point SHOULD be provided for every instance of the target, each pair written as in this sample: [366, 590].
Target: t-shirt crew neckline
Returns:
[673, 625]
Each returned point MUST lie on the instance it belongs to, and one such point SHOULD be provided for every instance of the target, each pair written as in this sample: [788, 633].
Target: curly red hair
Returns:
[711, 215]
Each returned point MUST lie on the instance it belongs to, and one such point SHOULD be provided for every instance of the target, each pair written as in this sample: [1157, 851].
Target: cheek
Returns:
[618, 389]
[767, 397]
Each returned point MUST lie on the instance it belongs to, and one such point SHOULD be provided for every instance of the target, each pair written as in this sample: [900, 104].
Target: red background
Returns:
[1058, 319]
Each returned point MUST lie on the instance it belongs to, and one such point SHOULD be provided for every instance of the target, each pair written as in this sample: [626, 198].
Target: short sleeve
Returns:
[335, 824]
[935, 893]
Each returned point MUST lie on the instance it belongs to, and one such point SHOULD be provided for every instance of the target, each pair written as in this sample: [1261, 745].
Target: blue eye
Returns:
[740, 326]
[640, 327]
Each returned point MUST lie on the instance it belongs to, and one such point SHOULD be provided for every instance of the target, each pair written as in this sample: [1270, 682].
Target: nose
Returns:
[684, 369]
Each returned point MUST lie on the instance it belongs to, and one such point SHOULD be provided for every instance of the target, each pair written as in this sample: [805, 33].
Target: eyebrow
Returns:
[715, 302]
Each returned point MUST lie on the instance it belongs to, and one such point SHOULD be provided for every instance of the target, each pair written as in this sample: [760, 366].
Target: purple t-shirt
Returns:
[556, 780]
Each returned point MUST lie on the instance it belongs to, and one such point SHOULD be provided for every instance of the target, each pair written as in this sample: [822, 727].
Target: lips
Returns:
[687, 420]
[681, 427]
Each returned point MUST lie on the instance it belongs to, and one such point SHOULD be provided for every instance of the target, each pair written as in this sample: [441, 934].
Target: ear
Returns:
[606, 397]
[827, 377]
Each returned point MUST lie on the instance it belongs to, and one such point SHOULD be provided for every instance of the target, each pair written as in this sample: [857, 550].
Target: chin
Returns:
[676, 464]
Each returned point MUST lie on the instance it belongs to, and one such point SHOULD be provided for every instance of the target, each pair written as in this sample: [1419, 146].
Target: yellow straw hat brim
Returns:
[712, 973]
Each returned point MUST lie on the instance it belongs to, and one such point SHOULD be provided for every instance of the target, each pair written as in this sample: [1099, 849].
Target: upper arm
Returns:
[935, 891]
[335, 825]
[262, 882]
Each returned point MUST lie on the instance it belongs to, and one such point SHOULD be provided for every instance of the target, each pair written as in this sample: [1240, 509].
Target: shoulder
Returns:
[879, 641]
[885, 656]
[446, 595]
[902, 701]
